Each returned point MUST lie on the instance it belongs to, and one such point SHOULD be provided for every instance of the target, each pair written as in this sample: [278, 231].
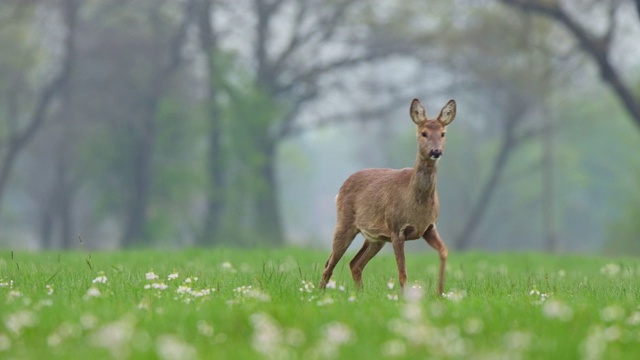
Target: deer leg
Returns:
[342, 238]
[354, 261]
[433, 239]
[398, 250]
[368, 251]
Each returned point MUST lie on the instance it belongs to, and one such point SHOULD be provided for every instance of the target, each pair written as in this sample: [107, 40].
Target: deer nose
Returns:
[436, 153]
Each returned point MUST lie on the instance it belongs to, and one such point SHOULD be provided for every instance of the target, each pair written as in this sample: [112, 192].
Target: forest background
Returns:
[158, 123]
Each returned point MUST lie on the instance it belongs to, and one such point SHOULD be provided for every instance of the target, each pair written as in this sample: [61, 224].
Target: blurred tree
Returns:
[145, 129]
[23, 124]
[515, 74]
[595, 44]
[297, 48]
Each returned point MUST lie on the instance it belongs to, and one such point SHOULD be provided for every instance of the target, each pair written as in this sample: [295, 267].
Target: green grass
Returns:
[505, 305]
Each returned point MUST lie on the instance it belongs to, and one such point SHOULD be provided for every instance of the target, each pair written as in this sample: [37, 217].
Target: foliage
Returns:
[227, 303]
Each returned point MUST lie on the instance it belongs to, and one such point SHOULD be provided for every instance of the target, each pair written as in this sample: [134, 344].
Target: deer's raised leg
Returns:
[368, 251]
[342, 238]
[398, 250]
[433, 238]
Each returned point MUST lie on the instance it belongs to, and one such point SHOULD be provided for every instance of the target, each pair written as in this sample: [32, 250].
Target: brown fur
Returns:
[389, 205]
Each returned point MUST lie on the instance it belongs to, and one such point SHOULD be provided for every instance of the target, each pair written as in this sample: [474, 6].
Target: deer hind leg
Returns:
[433, 239]
[398, 250]
[368, 251]
[342, 238]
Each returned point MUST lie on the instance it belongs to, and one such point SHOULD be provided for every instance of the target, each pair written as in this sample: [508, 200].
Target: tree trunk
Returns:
[145, 137]
[547, 191]
[514, 115]
[269, 219]
[136, 216]
[215, 166]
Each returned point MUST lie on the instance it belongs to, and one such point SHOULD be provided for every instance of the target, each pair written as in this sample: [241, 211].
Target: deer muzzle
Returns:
[435, 153]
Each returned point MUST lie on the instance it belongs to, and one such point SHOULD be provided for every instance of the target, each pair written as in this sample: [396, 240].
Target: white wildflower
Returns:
[101, 279]
[49, 289]
[159, 286]
[307, 286]
[517, 340]
[200, 293]
[172, 276]
[227, 266]
[182, 289]
[594, 345]
[54, 340]
[151, 276]
[42, 303]
[267, 336]
[393, 297]
[412, 312]
[338, 333]
[15, 322]
[391, 284]
[325, 301]
[534, 292]
[93, 292]
[352, 298]
[14, 294]
[455, 295]
[555, 309]
[88, 321]
[414, 293]
[204, 328]
[188, 280]
[394, 348]
[331, 284]
[5, 342]
[170, 347]
[612, 333]
[242, 290]
[539, 297]
[634, 318]
[115, 336]
[258, 295]
[611, 313]
[610, 269]
[473, 326]
[143, 305]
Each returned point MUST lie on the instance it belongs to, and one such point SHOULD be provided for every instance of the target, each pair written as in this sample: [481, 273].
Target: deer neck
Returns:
[424, 179]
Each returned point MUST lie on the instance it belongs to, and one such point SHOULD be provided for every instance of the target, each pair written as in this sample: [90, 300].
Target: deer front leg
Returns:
[433, 239]
[398, 250]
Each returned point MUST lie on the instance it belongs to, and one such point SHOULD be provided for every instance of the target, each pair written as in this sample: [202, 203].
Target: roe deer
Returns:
[389, 205]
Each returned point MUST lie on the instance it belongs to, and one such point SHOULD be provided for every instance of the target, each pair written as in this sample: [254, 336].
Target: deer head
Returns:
[431, 132]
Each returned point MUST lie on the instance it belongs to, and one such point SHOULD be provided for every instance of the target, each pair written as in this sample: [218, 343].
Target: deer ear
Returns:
[448, 113]
[417, 112]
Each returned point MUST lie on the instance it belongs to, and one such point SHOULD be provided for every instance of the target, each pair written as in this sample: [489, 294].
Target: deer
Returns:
[394, 205]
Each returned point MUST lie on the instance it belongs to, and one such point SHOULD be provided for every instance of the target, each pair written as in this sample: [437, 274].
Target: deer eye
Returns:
[443, 134]
[424, 134]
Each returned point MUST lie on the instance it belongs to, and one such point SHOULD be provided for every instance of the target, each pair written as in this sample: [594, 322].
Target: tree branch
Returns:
[596, 48]
[46, 97]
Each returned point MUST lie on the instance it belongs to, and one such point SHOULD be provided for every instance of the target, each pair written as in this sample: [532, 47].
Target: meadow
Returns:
[263, 304]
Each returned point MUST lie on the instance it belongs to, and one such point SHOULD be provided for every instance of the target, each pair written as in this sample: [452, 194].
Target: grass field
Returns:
[243, 304]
